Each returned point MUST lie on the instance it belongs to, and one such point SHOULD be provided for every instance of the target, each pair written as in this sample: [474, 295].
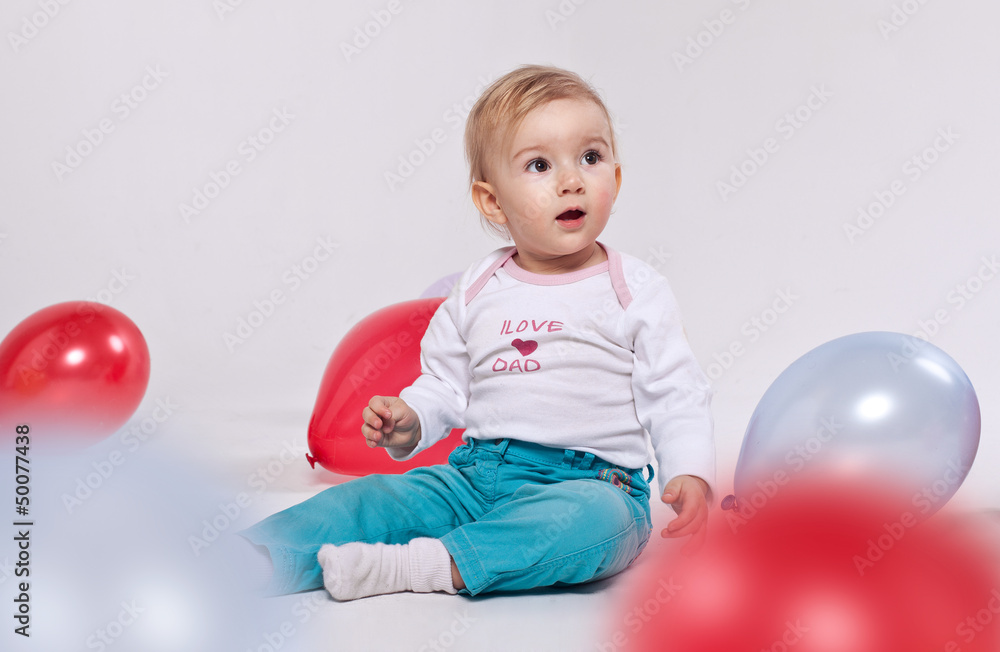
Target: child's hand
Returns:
[687, 495]
[390, 423]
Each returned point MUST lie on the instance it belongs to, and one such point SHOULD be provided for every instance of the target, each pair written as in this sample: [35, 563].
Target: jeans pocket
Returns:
[459, 457]
[487, 469]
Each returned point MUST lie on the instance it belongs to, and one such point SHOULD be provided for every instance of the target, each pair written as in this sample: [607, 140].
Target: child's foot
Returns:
[358, 570]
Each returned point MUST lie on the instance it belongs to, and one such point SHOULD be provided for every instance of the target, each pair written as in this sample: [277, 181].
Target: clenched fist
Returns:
[390, 423]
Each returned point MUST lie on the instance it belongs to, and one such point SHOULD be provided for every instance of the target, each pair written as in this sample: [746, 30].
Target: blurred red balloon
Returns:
[73, 372]
[378, 357]
[821, 569]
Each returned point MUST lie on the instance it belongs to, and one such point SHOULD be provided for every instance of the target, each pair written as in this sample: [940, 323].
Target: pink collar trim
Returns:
[521, 274]
[613, 266]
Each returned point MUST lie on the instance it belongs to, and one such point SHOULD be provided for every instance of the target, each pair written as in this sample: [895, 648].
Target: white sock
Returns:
[357, 570]
[430, 566]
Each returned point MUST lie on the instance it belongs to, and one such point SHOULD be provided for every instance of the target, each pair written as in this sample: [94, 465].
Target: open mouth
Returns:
[570, 215]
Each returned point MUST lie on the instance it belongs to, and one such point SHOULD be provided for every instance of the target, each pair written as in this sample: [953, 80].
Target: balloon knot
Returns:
[312, 460]
[729, 502]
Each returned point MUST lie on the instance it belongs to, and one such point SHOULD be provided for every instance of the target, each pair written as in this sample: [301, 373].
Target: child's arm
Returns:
[390, 423]
[688, 496]
[673, 403]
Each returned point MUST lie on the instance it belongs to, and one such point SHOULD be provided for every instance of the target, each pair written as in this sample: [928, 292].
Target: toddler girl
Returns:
[560, 357]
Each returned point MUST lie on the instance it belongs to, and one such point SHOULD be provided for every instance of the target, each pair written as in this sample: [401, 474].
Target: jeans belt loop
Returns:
[502, 445]
[587, 462]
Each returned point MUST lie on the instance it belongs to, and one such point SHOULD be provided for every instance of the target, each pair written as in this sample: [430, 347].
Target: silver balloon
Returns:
[865, 408]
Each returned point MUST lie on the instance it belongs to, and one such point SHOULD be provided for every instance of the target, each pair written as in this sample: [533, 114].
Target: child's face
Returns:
[554, 185]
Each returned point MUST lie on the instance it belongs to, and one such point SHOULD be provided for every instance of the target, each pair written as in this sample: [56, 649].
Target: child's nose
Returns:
[570, 182]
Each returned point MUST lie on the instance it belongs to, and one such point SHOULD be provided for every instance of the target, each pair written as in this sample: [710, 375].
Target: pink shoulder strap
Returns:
[618, 277]
[474, 289]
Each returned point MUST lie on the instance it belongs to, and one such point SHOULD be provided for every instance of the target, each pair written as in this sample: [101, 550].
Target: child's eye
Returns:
[538, 165]
[593, 157]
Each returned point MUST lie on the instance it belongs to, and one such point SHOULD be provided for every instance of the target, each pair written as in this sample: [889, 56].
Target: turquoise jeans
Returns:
[513, 516]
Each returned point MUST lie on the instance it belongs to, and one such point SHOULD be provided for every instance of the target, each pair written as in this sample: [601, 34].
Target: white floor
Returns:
[559, 619]
[125, 556]
[125, 547]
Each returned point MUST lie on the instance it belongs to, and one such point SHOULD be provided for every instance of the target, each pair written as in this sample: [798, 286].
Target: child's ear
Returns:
[485, 199]
[618, 180]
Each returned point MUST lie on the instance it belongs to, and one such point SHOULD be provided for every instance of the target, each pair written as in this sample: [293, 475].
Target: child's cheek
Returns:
[537, 206]
[605, 199]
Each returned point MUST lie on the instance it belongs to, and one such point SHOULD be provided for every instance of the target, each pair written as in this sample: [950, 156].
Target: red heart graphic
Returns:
[525, 347]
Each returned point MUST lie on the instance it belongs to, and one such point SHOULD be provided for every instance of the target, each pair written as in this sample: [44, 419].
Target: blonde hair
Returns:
[502, 107]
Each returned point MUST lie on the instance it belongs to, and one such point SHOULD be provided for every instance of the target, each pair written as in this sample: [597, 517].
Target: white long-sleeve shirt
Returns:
[591, 360]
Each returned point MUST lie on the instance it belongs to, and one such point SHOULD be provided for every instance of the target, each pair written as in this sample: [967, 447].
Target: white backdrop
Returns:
[182, 161]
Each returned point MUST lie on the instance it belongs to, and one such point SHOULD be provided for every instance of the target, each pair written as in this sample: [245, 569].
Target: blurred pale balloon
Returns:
[867, 408]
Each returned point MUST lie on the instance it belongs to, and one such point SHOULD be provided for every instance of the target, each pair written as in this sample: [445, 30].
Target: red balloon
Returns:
[73, 373]
[821, 569]
[378, 357]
